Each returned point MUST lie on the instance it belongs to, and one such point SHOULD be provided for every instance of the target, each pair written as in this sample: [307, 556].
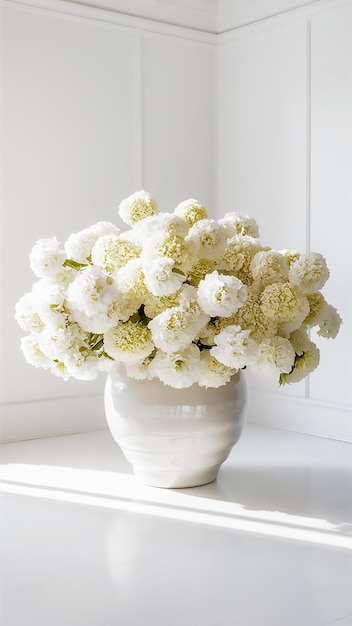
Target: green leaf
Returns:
[176, 270]
[74, 264]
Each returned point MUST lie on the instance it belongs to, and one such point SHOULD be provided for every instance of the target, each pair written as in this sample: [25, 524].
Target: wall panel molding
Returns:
[113, 18]
[275, 21]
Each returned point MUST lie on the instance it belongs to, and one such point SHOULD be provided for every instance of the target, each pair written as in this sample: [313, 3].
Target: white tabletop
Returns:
[268, 544]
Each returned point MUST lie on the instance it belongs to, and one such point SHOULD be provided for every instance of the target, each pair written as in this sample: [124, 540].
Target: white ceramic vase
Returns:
[174, 437]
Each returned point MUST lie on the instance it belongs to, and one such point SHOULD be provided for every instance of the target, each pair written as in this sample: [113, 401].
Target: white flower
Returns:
[275, 356]
[128, 342]
[26, 315]
[238, 256]
[48, 300]
[171, 246]
[137, 206]
[283, 302]
[221, 295]
[178, 369]
[234, 347]
[330, 322]
[177, 296]
[112, 252]
[213, 373]
[309, 272]
[32, 352]
[239, 224]
[209, 237]
[93, 298]
[175, 328]
[46, 257]
[161, 223]
[269, 266]
[85, 367]
[305, 363]
[161, 276]
[141, 369]
[79, 245]
[132, 288]
[191, 211]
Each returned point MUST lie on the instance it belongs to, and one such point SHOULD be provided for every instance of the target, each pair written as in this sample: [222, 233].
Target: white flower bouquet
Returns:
[177, 296]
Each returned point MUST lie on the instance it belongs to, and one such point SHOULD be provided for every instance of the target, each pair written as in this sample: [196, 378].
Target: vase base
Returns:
[176, 479]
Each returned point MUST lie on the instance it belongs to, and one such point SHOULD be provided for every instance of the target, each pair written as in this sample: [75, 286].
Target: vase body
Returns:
[175, 438]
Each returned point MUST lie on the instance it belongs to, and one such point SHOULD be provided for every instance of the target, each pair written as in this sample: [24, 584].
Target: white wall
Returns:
[285, 157]
[97, 104]
[91, 113]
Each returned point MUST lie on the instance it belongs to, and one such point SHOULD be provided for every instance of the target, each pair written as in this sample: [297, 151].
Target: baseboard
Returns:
[48, 418]
[300, 415]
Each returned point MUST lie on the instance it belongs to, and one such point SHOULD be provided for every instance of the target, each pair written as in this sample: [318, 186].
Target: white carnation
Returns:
[33, 353]
[46, 257]
[309, 272]
[239, 224]
[209, 238]
[92, 298]
[178, 369]
[162, 223]
[275, 356]
[137, 206]
[269, 266]
[191, 211]
[128, 342]
[79, 245]
[213, 373]
[305, 363]
[141, 369]
[112, 252]
[57, 343]
[48, 300]
[161, 276]
[330, 322]
[85, 367]
[234, 347]
[220, 295]
[26, 315]
[175, 328]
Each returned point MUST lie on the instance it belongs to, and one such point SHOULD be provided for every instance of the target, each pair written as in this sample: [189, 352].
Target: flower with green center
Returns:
[174, 329]
[137, 207]
[269, 266]
[281, 302]
[78, 246]
[191, 211]
[128, 342]
[111, 252]
[199, 270]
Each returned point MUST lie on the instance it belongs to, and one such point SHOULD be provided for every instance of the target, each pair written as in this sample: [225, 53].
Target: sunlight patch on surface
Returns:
[122, 492]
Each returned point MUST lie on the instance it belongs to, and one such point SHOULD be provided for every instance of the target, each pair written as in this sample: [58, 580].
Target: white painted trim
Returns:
[48, 418]
[274, 21]
[110, 18]
[300, 415]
